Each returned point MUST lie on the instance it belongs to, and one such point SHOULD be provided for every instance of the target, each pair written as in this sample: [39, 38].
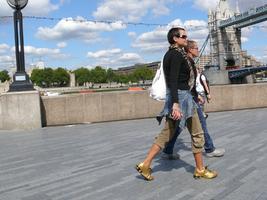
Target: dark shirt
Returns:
[177, 73]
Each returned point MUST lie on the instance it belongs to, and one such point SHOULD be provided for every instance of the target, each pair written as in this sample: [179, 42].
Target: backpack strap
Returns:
[202, 83]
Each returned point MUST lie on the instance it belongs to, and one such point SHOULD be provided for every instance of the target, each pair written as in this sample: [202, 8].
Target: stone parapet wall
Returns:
[110, 106]
[20, 110]
[234, 97]
[98, 107]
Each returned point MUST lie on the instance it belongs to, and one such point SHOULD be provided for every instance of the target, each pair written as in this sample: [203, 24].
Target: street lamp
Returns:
[21, 80]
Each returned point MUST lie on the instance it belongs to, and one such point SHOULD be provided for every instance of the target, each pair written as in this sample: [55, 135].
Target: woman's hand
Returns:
[176, 112]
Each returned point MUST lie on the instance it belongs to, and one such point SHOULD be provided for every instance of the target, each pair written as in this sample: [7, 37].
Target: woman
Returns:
[180, 80]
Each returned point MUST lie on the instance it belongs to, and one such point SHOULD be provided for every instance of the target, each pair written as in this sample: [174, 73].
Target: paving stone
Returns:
[96, 161]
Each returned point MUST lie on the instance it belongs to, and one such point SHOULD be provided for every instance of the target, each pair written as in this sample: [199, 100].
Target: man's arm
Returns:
[206, 87]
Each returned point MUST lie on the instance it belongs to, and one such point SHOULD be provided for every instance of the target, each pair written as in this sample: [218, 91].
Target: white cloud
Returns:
[263, 26]
[246, 32]
[34, 52]
[156, 40]
[131, 10]
[3, 48]
[206, 4]
[242, 4]
[129, 57]
[104, 53]
[153, 41]
[61, 44]
[244, 39]
[114, 58]
[40, 7]
[132, 34]
[197, 29]
[30, 50]
[68, 28]
[247, 4]
[6, 59]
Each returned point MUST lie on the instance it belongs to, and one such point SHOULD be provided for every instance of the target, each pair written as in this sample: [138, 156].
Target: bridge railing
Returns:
[238, 73]
[244, 16]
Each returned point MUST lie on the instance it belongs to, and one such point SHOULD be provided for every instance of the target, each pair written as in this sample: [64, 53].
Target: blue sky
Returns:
[73, 44]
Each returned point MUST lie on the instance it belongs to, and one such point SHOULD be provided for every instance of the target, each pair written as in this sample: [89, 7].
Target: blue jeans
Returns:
[209, 147]
[187, 106]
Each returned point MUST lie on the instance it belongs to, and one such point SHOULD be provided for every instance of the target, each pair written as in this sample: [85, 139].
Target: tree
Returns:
[132, 78]
[143, 73]
[122, 78]
[110, 75]
[82, 75]
[4, 76]
[42, 77]
[99, 75]
[37, 77]
[61, 77]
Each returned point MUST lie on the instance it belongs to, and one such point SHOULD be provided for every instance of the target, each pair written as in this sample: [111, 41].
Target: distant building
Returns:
[38, 65]
[204, 60]
[127, 70]
[248, 60]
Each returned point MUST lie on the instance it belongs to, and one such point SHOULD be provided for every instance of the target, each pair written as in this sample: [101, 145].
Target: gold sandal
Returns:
[144, 171]
[205, 173]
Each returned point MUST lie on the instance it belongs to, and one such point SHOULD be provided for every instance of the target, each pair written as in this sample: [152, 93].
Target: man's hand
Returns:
[201, 100]
[208, 97]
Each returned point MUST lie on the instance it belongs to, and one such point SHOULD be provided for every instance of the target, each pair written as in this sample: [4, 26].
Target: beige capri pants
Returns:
[194, 128]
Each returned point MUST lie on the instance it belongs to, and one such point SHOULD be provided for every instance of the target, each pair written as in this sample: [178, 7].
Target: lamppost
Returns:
[21, 80]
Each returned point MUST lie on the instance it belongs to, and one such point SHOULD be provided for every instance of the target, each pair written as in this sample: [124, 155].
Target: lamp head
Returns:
[17, 4]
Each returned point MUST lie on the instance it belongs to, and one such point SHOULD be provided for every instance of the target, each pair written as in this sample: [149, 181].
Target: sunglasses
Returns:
[183, 36]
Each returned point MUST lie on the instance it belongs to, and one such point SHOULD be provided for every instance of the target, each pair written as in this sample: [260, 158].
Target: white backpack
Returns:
[158, 88]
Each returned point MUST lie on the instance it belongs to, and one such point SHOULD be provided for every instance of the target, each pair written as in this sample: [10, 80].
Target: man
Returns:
[202, 89]
[180, 79]
[211, 151]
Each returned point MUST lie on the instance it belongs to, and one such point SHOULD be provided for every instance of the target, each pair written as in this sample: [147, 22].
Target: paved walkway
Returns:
[96, 162]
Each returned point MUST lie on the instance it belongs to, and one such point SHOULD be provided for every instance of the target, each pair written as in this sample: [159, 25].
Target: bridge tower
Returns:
[225, 43]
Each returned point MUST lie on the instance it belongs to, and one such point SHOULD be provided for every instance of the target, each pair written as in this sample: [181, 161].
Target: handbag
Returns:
[158, 88]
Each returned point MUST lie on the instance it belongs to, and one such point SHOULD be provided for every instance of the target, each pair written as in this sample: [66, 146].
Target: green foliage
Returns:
[143, 73]
[132, 78]
[99, 75]
[122, 78]
[82, 75]
[61, 77]
[110, 75]
[37, 77]
[48, 77]
[4, 76]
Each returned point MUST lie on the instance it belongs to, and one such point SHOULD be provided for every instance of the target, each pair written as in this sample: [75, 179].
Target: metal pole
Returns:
[18, 62]
[21, 81]
[22, 58]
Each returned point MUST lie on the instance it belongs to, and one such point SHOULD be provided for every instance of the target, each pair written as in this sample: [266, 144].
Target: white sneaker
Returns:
[174, 156]
[216, 153]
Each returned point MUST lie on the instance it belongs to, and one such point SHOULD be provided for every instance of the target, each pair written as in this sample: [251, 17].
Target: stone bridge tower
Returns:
[225, 43]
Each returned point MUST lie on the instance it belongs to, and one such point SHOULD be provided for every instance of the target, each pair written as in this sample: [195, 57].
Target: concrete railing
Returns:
[20, 110]
[235, 97]
[109, 106]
